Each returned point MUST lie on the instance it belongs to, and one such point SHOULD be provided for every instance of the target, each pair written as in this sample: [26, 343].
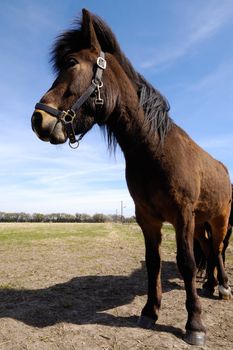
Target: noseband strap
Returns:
[68, 117]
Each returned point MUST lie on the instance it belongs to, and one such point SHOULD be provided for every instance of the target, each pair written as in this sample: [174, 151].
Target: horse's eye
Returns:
[71, 62]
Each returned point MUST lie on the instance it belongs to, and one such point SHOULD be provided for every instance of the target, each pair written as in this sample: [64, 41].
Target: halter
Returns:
[68, 117]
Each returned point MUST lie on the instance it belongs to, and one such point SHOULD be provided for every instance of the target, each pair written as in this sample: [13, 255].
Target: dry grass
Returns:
[82, 286]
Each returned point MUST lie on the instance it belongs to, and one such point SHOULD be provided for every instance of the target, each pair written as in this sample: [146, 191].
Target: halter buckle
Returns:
[101, 62]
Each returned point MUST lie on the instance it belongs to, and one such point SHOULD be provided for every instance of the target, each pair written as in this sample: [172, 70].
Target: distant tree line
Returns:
[63, 217]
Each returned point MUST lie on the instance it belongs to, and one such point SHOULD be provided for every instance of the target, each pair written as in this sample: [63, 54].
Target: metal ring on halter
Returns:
[67, 117]
[74, 145]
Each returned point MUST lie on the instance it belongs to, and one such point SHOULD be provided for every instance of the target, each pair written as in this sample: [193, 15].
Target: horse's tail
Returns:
[226, 241]
[199, 255]
[200, 258]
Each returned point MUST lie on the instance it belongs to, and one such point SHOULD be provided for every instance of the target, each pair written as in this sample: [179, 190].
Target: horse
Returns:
[203, 253]
[169, 177]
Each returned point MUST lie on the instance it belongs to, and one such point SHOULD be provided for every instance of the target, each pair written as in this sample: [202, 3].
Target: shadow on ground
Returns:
[84, 300]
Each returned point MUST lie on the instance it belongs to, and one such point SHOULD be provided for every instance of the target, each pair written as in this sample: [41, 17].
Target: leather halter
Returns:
[68, 117]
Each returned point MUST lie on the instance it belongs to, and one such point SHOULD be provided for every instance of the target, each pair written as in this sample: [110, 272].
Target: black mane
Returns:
[155, 106]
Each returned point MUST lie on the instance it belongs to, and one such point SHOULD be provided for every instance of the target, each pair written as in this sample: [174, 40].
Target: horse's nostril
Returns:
[36, 120]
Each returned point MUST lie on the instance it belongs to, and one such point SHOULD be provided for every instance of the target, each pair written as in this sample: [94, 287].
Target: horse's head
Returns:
[85, 91]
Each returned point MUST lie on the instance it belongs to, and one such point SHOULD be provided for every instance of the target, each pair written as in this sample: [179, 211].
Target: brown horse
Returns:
[169, 176]
[203, 252]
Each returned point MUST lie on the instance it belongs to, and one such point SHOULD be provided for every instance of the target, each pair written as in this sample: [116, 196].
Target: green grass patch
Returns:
[30, 232]
[86, 234]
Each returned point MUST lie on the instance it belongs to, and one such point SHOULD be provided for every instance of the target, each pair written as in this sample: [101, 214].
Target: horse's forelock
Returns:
[69, 41]
[73, 41]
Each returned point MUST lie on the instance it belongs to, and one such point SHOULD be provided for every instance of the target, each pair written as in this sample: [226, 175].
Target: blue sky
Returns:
[184, 48]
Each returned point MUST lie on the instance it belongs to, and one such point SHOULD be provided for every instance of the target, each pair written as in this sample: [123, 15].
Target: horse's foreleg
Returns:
[152, 235]
[195, 331]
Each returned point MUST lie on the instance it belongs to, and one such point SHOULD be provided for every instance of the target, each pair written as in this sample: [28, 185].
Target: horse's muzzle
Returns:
[47, 128]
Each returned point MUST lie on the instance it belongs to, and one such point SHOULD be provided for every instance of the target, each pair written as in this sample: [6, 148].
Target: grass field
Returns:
[82, 286]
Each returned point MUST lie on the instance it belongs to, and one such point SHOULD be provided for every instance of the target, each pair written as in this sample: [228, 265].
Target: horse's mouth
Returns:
[55, 139]
[48, 128]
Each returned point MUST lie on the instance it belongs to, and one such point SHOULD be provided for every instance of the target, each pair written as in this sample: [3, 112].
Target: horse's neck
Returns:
[132, 132]
[127, 123]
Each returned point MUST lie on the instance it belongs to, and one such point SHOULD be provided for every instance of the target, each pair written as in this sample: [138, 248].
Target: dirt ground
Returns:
[82, 291]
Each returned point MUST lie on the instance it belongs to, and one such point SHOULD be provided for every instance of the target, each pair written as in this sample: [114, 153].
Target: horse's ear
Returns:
[88, 31]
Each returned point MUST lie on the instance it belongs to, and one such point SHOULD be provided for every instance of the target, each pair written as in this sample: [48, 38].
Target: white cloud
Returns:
[203, 24]
[57, 179]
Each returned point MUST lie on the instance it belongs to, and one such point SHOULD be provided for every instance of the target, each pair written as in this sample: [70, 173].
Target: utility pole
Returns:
[122, 207]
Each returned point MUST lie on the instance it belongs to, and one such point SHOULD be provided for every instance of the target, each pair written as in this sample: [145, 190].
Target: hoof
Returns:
[195, 338]
[224, 293]
[146, 322]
